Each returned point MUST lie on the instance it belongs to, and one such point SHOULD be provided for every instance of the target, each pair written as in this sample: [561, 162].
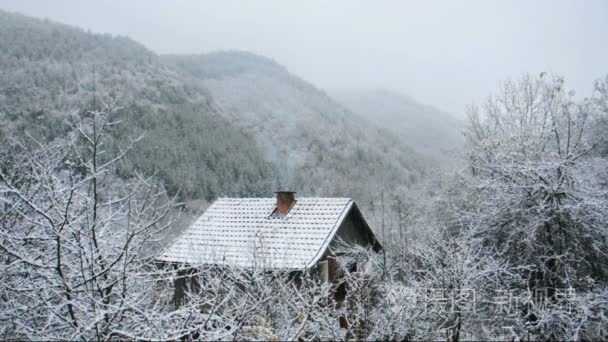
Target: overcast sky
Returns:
[447, 54]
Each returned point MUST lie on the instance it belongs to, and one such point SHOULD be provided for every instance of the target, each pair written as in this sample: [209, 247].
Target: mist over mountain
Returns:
[426, 129]
[219, 124]
[316, 145]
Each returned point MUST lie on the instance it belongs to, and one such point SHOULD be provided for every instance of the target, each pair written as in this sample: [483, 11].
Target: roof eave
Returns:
[331, 235]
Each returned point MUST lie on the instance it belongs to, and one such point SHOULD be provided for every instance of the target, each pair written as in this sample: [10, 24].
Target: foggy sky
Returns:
[447, 54]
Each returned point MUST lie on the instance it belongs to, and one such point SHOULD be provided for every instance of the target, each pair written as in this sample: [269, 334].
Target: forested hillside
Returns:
[316, 146]
[229, 123]
[52, 73]
[425, 128]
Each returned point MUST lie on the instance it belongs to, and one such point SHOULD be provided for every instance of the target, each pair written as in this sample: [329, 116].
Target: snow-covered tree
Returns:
[75, 241]
[538, 198]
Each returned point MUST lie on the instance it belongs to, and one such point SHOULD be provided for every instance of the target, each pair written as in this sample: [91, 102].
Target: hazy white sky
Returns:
[444, 53]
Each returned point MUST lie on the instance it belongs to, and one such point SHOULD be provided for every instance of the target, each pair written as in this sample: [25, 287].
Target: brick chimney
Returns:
[285, 199]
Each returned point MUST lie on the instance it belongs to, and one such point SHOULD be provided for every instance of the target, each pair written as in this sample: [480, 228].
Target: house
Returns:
[282, 233]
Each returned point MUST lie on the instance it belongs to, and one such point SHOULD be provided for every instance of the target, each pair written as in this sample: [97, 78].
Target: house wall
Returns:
[354, 231]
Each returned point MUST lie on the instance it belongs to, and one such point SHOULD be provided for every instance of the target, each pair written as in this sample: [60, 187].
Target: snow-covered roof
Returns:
[243, 232]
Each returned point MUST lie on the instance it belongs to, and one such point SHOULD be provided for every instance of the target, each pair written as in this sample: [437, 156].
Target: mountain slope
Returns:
[52, 72]
[221, 124]
[425, 128]
[317, 146]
